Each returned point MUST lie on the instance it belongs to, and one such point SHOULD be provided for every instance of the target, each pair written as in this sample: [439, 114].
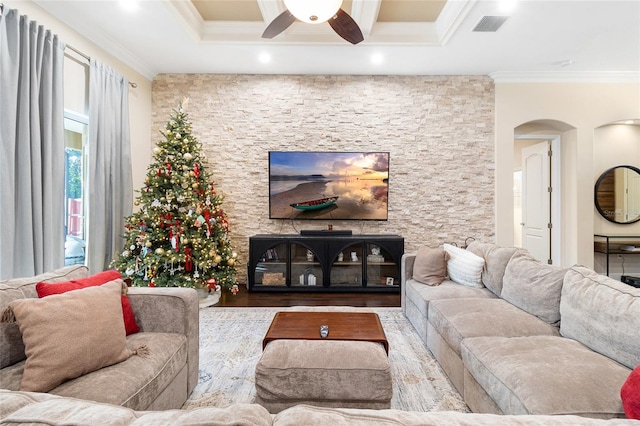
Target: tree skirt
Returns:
[231, 345]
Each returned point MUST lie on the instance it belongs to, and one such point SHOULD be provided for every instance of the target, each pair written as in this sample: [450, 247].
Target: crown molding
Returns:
[451, 17]
[566, 77]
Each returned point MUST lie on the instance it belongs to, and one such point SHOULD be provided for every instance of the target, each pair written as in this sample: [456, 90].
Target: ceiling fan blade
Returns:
[278, 25]
[346, 27]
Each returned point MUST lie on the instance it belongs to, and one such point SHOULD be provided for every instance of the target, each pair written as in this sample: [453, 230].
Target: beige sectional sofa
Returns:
[169, 323]
[534, 340]
[45, 409]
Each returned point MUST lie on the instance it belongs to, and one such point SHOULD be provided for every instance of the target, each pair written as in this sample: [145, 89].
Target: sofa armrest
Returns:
[170, 310]
[406, 273]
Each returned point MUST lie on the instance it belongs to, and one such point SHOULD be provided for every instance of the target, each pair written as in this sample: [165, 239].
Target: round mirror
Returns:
[617, 194]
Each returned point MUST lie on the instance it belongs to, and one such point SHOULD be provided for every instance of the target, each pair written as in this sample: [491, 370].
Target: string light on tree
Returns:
[180, 234]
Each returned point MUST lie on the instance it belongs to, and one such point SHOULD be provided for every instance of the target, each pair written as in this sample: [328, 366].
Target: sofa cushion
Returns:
[601, 313]
[11, 346]
[630, 395]
[533, 286]
[496, 259]
[138, 379]
[45, 409]
[458, 319]
[319, 416]
[545, 375]
[464, 267]
[70, 334]
[48, 289]
[420, 295]
[430, 266]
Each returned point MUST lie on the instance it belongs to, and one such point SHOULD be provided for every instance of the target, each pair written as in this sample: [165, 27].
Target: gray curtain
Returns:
[109, 181]
[31, 147]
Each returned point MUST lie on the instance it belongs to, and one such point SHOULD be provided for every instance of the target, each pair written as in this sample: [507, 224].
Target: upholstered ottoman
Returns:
[326, 373]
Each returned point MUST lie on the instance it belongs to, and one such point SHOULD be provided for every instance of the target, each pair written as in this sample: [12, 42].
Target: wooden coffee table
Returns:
[358, 326]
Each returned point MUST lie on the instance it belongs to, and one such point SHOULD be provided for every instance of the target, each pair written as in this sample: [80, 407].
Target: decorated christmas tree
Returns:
[180, 234]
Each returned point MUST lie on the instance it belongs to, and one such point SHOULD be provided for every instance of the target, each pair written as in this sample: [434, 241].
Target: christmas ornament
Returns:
[187, 156]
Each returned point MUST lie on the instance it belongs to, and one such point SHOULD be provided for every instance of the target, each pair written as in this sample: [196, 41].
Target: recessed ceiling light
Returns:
[129, 5]
[264, 58]
[377, 58]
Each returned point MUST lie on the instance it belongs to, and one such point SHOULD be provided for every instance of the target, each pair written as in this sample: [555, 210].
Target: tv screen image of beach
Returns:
[328, 185]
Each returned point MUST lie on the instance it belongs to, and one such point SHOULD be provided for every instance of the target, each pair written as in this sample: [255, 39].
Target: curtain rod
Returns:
[84, 55]
[131, 83]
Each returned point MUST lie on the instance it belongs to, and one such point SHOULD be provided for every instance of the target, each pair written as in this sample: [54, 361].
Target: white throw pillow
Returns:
[464, 267]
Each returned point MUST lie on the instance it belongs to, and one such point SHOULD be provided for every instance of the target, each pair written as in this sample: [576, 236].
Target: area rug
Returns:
[231, 345]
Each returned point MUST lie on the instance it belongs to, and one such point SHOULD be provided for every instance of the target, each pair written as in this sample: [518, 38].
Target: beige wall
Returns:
[438, 130]
[139, 98]
[583, 107]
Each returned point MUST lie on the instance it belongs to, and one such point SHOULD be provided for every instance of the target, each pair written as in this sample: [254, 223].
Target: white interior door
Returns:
[536, 200]
[632, 196]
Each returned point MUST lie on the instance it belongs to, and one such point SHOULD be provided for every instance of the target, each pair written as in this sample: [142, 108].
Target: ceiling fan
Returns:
[316, 12]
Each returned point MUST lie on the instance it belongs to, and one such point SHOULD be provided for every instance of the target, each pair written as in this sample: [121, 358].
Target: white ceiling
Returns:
[542, 40]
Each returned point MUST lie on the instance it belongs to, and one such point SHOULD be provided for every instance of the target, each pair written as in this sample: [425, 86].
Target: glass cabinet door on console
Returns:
[382, 269]
[346, 269]
[271, 268]
[306, 269]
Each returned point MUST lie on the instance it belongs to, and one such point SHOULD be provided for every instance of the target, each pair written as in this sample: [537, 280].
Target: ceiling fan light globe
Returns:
[313, 11]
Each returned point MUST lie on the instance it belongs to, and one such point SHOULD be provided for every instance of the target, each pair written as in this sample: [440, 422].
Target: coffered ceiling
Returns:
[539, 40]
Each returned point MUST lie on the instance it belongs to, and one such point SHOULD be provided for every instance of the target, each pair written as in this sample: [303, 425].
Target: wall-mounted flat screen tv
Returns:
[328, 185]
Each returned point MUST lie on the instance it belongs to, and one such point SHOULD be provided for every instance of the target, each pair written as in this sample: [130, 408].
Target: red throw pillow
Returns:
[48, 289]
[630, 395]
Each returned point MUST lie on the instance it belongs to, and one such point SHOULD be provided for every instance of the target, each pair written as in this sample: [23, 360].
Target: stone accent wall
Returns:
[439, 131]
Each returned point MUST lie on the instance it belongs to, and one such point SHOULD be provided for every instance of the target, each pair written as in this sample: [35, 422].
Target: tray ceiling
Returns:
[578, 40]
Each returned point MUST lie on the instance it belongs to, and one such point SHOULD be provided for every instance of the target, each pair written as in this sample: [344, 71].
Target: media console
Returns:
[326, 262]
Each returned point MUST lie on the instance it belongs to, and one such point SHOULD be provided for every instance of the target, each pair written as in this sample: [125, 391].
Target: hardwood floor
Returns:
[259, 299]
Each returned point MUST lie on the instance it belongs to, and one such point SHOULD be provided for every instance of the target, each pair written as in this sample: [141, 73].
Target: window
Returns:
[76, 134]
